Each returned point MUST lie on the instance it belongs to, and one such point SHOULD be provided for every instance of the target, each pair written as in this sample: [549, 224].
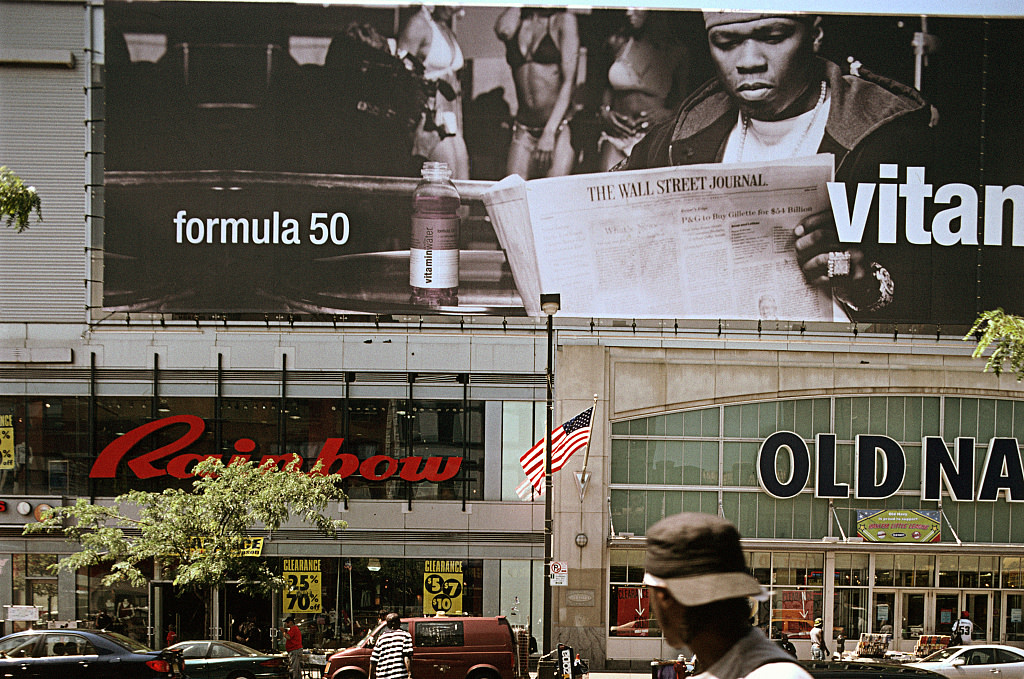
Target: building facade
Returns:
[788, 429]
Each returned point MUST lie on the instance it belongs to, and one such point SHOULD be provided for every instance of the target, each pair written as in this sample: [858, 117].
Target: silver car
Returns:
[991, 661]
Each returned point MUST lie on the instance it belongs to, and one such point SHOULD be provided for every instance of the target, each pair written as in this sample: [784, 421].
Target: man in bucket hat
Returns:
[819, 651]
[699, 587]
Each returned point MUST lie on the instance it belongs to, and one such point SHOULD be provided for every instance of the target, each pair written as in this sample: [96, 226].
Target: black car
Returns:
[850, 669]
[84, 654]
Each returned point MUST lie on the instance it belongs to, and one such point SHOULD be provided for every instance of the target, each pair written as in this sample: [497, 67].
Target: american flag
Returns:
[566, 439]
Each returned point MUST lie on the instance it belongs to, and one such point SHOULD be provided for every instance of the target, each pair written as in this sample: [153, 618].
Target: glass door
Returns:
[912, 616]
[1012, 617]
[884, 612]
[978, 605]
[947, 611]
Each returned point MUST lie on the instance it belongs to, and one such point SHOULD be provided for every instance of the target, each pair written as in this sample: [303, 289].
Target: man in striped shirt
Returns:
[392, 654]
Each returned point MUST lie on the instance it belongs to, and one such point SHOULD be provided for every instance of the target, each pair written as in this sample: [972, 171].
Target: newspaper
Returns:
[697, 241]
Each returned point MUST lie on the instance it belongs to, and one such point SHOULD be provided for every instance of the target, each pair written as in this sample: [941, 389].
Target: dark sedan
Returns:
[208, 659]
[82, 654]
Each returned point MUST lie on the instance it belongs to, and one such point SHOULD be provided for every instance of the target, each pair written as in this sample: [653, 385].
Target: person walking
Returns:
[700, 592]
[293, 647]
[962, 630]
[392, 654]
[819, 651]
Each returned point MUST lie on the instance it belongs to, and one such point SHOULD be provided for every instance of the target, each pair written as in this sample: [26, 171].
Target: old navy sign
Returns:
[880, 467]
[169, 460]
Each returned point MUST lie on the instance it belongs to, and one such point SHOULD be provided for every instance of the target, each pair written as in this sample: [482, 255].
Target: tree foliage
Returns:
[196, 535]
[1004, 333]
[17, 201]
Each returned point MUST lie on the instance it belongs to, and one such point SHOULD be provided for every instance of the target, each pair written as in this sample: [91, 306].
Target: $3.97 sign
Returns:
[302, 591]
[442, 587]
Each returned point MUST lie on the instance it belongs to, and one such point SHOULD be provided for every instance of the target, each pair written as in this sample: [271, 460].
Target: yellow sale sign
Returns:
[442, 587]
[303, 591]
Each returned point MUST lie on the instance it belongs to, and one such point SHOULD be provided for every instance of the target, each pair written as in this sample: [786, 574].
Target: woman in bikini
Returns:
[644, 83]
[542, 48]
[430, 38]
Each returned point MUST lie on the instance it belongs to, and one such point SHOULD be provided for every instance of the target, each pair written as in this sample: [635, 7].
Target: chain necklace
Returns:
[803, 137]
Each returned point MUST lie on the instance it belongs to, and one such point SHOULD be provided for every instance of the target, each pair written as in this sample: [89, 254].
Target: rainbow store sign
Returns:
[880, 467]
[169, 460]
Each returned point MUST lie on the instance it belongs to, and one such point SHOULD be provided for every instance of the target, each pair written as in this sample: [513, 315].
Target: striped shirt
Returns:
[389, 653]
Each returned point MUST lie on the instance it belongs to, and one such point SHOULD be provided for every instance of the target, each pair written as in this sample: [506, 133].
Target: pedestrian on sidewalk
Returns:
[700, 593]
[392, 654]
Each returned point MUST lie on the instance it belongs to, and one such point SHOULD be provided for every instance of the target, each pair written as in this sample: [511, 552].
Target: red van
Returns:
[443, 648]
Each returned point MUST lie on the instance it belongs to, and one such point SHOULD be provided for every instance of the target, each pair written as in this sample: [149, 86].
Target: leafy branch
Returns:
[1004, 333]
[17, 201]
[199, 535]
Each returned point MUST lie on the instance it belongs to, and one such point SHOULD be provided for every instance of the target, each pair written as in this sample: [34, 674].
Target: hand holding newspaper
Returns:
[697, 241]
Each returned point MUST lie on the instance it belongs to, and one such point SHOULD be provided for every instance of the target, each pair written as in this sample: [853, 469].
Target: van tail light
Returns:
[159, 665]
[272, 662]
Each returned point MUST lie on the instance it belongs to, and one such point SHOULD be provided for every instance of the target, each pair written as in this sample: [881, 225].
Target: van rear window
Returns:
[434, 633]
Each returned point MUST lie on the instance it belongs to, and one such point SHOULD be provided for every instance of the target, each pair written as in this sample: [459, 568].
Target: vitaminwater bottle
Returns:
[434, 246]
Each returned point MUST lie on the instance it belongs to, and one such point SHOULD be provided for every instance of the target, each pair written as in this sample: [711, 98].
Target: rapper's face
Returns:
[764, 65]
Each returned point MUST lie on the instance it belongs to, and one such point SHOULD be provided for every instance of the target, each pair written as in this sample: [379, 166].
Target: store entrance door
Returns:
[246, 617]
[1012, 619]
[185, 611]
[979, 606]
[950, 604]
[901, 613]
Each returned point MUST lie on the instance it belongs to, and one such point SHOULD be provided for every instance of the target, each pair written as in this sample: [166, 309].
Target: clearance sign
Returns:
[6, 441]
[442, 587]
[302, 589]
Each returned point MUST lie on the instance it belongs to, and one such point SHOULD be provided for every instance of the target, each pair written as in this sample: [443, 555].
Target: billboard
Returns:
[260, 158]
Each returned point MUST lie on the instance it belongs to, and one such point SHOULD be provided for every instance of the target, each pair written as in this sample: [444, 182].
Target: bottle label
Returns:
[433, 268]
[434, 255]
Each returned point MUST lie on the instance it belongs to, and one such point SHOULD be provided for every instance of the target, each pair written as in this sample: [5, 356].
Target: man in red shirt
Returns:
[293, 646]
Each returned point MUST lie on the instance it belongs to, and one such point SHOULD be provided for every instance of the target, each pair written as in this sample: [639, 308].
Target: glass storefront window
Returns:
[1012, 575]
[913, 570]
[630, 611]
[34, 585]
[522, 425]
[850, 612]
[852, 570]
[51, 455]
[760, 564]
[797, 568]
[120, 607]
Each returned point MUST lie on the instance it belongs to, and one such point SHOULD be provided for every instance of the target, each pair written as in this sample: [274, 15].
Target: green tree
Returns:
[1004, 333]
[17, 201]
[198, 535]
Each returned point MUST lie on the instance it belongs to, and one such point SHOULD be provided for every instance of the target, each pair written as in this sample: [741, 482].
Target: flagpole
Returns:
[550, 304]
[593, 420]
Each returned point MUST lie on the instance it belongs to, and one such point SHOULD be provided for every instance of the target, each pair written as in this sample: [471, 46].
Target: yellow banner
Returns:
[6, 441]
[442, 587]
[250, 547]
[303, 592]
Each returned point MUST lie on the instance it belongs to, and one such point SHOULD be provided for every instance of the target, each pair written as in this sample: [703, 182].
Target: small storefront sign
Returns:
[442, 587]
[899, 525]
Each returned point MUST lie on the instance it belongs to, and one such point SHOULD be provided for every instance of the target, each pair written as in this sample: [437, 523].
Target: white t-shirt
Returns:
[965, 628]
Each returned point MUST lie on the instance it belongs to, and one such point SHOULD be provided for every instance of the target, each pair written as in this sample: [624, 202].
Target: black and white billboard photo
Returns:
[271, 157]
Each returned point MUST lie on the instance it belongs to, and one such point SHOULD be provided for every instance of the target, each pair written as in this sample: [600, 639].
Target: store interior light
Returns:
[373, 565]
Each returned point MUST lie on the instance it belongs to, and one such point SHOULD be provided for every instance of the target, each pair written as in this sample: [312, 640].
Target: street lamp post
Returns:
[550, 304]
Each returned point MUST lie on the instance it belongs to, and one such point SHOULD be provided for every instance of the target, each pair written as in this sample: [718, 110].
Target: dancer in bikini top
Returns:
[542, 49]
[649, 68]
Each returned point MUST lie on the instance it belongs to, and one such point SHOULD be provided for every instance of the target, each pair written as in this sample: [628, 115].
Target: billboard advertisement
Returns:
[261, 158]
